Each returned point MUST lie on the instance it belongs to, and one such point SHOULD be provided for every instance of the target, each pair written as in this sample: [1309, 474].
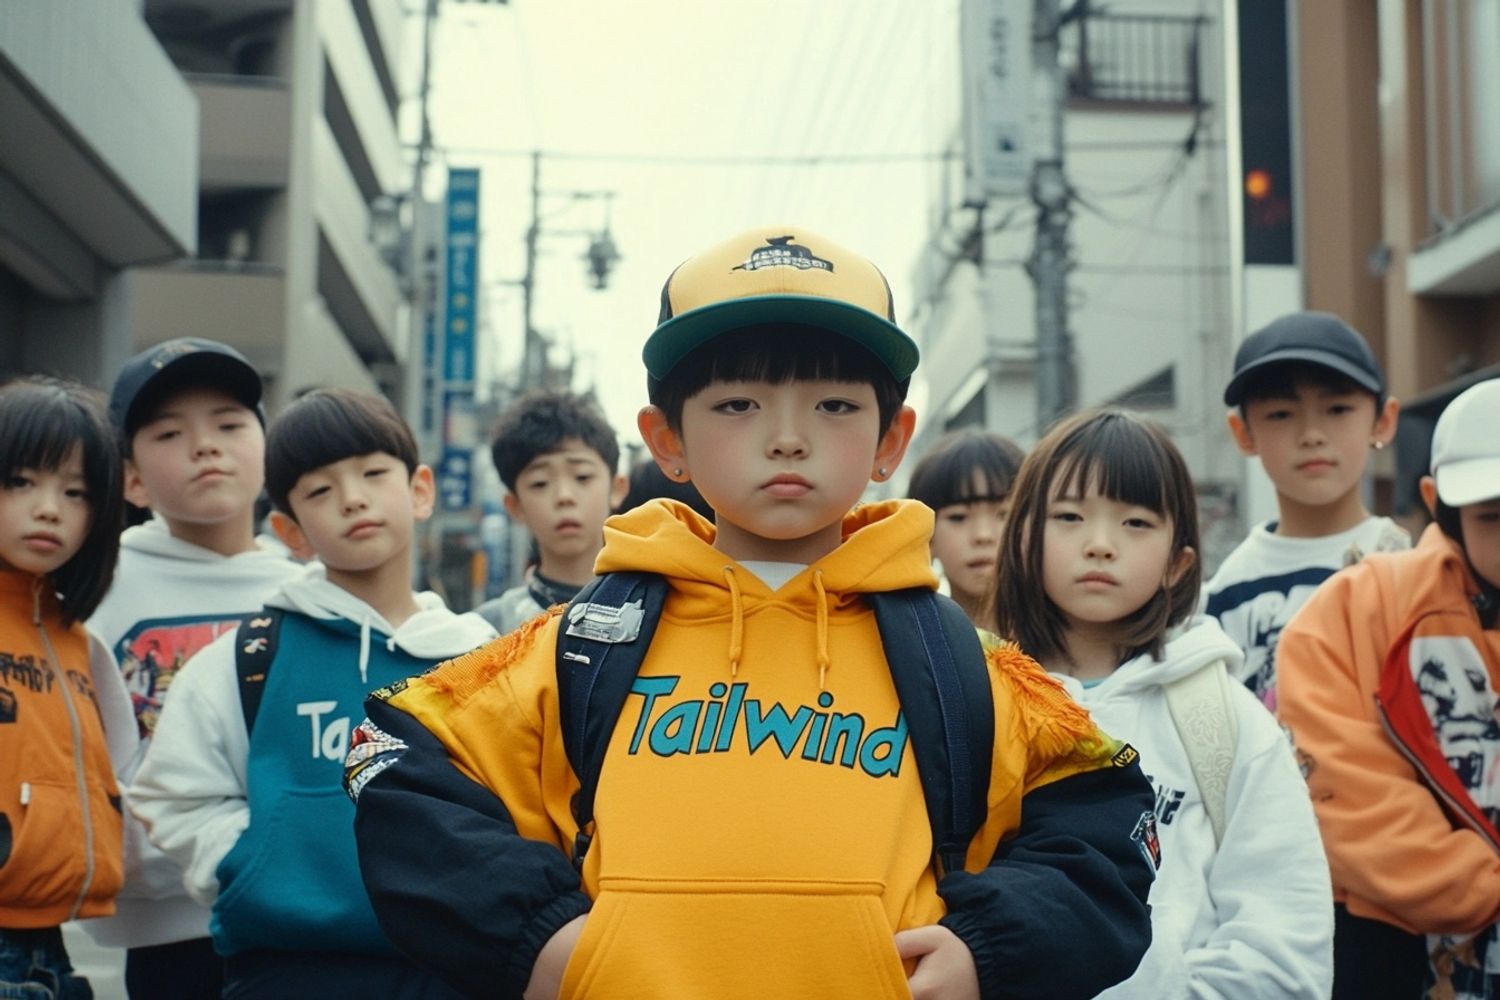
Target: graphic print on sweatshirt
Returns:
[1253, 613]
[152, 652]
[26, 672]
[1456, 692]
[667, 720]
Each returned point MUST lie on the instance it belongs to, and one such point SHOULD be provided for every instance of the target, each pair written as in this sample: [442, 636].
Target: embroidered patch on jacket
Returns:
[1125, 756]
[371, 750]
[1146, 839]
[390, 690]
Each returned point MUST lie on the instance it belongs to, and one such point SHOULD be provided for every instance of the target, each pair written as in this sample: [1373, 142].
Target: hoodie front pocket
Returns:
[46, 864]
[730, 938]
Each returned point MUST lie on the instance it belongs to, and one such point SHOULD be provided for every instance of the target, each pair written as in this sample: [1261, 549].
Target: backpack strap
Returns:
[610, 622]
[1205, 721]
[942, 680]
[254, 652]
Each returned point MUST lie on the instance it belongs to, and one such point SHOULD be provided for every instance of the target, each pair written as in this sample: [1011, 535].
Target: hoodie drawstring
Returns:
[823, 661]
[737, 622]
[364, 650]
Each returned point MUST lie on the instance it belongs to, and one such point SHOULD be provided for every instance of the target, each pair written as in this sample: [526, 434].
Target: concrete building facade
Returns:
[98, 173]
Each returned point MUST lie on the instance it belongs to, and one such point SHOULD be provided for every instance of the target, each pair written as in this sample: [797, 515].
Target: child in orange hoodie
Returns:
[63, 708]
[1388, 680]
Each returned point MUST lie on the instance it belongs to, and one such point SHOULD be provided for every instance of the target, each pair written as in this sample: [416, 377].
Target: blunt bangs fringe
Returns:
[776, 355]
[41, 421]
[327, 426]
[966, 466]
[1130, 460]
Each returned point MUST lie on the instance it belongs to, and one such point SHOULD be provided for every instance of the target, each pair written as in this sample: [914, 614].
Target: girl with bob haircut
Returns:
[1099, 581]
[66, 724]
[966, 479]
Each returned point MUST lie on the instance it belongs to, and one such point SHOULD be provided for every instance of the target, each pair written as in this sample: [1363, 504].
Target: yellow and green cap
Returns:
[777, 274]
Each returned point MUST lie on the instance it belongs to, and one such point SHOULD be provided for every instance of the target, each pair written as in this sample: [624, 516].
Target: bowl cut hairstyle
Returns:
[777, 354]
[327, 426]
[966, 466]
[1280, 381]
[41, 420]
[1131, 460]
[539, 423]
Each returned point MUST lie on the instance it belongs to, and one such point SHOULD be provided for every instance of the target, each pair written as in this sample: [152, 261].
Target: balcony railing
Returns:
[1141, 60]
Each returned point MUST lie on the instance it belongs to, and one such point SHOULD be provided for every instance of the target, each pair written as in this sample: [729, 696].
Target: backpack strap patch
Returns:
[601, 644]
[939, 671]
[1205, 722]
[254, 652]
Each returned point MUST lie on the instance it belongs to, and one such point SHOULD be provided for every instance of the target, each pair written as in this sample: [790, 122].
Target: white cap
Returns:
[1466, 446]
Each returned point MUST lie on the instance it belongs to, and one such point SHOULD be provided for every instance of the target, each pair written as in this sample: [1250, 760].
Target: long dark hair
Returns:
[1131, 460]
[41, 421]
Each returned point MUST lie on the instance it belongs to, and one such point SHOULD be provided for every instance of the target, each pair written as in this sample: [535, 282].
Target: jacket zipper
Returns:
[1433, 785]
[78, 761]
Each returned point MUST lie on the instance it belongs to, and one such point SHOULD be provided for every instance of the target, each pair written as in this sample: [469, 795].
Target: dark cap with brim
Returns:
[777, 275]
[187, 362]
[1309, 338]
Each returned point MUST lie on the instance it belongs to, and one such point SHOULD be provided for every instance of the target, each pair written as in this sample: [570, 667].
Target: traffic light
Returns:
[1266, 134]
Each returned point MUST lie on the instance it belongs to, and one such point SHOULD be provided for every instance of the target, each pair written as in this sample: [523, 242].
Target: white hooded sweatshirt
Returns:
[169, 599]
[191, 788]
[1252, 918]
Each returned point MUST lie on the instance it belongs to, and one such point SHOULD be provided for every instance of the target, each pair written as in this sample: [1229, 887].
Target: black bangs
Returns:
[328, 426]
[777, 354]
[1117, 455]
[966, 466]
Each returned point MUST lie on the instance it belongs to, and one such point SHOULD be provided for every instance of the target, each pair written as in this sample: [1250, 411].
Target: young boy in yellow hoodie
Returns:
[1389, 676]
[739, 849]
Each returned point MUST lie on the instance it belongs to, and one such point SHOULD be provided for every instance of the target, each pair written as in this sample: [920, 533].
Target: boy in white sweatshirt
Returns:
[242, 784]
[193, 433]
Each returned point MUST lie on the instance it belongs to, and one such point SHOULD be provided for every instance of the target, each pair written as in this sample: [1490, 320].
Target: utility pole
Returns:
[533, 358]
[1050, 259]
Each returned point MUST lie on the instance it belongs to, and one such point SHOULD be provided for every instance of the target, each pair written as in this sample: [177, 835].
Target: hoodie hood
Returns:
[433, 633]
[153, 539]
[884, 548]
[1189, 648]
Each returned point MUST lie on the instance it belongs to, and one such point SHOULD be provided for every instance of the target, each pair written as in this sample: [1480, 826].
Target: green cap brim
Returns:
[679, 336]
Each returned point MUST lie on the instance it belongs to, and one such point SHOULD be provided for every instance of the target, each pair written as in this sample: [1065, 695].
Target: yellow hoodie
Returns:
[760, 825]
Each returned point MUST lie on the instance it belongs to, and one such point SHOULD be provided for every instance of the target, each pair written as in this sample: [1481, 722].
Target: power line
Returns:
[706, 159]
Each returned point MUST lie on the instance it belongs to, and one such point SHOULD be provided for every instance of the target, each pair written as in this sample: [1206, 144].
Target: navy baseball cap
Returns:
[177, 364]
[1311, 338]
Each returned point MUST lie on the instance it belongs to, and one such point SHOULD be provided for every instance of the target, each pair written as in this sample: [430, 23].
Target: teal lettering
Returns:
[890, 738]
[850, 729]
[775, 724]
[649, 688]
[731, 718]
[673, 732]
[710, 721]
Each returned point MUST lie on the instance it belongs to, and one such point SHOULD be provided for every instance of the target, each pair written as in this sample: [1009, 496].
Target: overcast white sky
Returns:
[640, 97]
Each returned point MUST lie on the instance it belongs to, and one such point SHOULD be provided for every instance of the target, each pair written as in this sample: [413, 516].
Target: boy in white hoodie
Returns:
[1098, 581]
[192, 430]
[242, 784]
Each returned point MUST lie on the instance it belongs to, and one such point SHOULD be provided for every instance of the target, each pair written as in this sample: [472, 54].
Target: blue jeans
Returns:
[34, 966]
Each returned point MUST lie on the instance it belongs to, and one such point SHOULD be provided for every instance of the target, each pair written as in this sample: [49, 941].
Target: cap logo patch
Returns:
[171, 351]
[782, 252]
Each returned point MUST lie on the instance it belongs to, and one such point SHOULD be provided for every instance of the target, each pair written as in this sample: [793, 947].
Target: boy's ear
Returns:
[664, 443]
[514, 509]
[1240, 431]
[135, 486]
[893, 444]
[423, 492]
[617, 490]
[1427, 486]
[1384, 431]
[292, 536]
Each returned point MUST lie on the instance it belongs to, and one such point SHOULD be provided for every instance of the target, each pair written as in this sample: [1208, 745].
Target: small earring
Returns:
[883, 473]
[1377, 445]
[677, 471]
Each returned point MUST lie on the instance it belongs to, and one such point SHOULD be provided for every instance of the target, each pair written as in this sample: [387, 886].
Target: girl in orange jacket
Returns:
[64, 712]
[1388, 681]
